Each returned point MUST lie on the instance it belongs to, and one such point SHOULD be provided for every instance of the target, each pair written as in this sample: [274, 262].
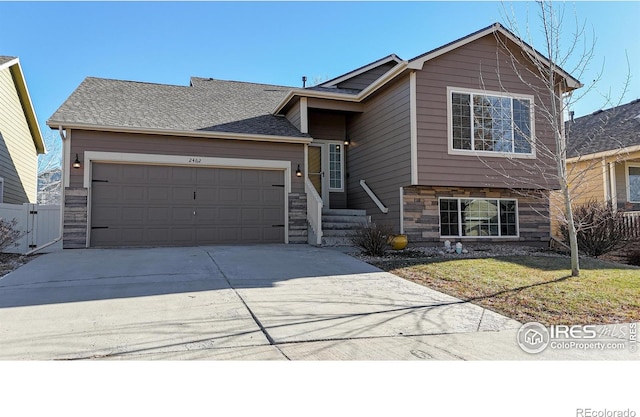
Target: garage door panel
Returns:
[154, 205]
[132, 214]
[134, 193]
[103, 192]
[182, 175]
[229, 196]
[134, 173]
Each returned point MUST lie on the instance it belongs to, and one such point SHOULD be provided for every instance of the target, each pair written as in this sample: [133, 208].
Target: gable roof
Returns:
[328, 90]
[418, 62]
[358, 71]
[13, 64]
[614, 129]
[205, 106]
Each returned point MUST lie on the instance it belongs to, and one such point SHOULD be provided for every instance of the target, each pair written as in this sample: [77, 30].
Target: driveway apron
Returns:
[222, 302]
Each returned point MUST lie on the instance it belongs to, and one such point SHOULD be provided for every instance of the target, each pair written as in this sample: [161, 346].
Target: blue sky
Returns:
[59, 44]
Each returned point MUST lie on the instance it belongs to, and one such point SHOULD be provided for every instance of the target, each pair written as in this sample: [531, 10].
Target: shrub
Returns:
[8, 233]
[634, 258]
[598, 228]
[372, 239]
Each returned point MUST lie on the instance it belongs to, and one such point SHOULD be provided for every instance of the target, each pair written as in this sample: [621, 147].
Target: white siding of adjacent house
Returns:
[18, 157]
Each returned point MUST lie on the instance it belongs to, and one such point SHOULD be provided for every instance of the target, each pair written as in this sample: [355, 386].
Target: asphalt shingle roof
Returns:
[5, 59]
[205, 105]
[605, 130]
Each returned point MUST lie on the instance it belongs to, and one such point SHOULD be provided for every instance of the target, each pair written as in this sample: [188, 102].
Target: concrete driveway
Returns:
[236, 302]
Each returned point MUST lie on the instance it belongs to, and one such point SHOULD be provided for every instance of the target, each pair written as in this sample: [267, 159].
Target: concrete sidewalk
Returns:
[240, 302]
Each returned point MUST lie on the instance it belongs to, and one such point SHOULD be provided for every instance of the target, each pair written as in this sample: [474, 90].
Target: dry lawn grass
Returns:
[532, 288]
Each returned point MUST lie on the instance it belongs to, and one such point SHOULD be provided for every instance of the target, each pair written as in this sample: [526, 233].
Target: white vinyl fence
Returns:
[38, 224]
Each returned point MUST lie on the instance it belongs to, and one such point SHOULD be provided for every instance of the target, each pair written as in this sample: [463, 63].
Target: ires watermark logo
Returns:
[534, 337]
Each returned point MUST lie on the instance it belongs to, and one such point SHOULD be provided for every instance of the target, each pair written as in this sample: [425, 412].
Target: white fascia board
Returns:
[349, 75]
[9, 63]
[418, 64]
[29, 112]
[604, 154]
[186, 133]
[388, 76]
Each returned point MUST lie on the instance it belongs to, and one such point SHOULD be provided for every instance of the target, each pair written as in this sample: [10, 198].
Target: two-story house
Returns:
[408, 143]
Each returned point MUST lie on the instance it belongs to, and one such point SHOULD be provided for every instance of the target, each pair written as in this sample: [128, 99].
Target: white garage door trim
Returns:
[185, 160]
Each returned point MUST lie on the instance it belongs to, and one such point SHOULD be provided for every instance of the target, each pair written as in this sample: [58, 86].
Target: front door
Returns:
[326, 168]
[316, 171]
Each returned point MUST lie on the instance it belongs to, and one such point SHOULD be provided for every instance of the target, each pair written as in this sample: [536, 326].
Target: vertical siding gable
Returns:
[472, 66]
[18, 155]
[364, 80]
[293, 115]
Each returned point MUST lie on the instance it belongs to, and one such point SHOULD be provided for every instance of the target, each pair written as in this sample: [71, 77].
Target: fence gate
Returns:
[39, 225]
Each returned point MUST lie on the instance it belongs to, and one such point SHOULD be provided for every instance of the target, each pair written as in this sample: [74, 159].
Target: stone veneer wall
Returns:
[297, 218]
[75, 218]
[422, 214]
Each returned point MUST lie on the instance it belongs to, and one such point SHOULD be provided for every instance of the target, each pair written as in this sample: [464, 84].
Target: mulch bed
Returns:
[12, 261]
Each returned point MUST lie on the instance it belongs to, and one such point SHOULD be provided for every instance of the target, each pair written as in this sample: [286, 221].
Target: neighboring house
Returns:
[603, 156]
[236, 162]
[20, 138]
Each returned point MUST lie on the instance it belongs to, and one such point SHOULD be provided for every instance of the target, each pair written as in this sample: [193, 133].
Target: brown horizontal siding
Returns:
[380, 152]
[82, 141]
[472, 66]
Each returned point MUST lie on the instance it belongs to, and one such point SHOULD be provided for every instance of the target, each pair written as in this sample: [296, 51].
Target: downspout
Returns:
[64, 167]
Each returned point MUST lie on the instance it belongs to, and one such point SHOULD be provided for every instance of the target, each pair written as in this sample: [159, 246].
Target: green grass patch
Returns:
[529, 288]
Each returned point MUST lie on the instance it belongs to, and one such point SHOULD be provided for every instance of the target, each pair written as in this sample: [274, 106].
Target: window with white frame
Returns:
[490, 122]
[478, 217]
[335, 167]
[633, 182]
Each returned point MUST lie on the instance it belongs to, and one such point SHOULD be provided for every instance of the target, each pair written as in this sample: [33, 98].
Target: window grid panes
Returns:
[478, 217]
[335, 166]
[482, 122]
[634, 184]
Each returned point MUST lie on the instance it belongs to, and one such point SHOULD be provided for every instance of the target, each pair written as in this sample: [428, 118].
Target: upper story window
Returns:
[489, 123]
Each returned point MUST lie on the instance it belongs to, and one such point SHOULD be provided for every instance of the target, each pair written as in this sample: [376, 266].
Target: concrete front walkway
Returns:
[237, 302]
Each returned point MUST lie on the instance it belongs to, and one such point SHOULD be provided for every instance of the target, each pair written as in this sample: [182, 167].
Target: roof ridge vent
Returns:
[597, 112]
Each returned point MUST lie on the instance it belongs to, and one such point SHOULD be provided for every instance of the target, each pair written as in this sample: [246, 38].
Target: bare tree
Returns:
[50, 171]
[563, 56]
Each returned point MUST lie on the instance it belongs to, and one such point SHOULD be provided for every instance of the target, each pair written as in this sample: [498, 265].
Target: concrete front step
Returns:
[341, 225]
[336, 241]
[344, 219]
[344, 212]
[338, 232]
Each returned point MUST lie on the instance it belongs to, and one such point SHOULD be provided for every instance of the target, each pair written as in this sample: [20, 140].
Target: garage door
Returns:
[146, 205]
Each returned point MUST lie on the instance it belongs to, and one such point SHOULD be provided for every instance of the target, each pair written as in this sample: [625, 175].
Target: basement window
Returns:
[476, 217]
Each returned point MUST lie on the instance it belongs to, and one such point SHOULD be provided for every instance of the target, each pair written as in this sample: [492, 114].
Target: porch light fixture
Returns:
[347, 141]
[298, 172]
[76, 163]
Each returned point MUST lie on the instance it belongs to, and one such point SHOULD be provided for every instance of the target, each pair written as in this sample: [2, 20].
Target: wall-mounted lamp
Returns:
[347, 141]
[298, 172]
[76, 163]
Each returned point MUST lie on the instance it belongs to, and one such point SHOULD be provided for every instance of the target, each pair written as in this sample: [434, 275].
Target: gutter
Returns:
[612, 152]
[64, 164]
